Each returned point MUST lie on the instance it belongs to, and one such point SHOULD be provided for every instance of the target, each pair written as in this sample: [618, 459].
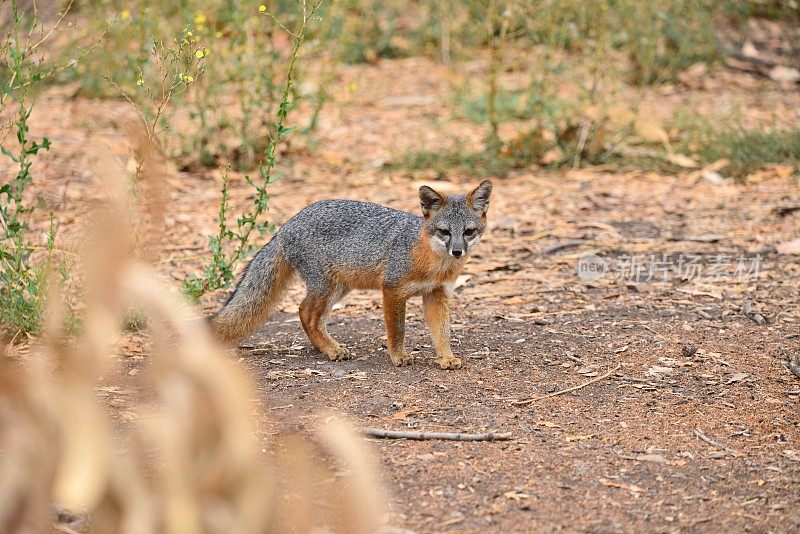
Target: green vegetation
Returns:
[230, 246]
[23, 273]
[771, 9]
[134, 319]
[444, 163]
[215, 83]
[748, 150]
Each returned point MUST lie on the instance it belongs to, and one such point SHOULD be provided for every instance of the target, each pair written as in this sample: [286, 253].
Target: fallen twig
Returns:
[782, 211]
[754, 315]
[449, 436]
[561, 246]
[573, 388]
[701, 436]
[619, 485]
[754, 65]
[794, 366]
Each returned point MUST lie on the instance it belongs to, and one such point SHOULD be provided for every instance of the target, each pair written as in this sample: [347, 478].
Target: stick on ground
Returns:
[794, 366]
[573, 388]
[450, 436]
[702, 437]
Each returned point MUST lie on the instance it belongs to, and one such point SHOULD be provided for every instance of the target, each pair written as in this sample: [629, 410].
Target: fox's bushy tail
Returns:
[260, 288]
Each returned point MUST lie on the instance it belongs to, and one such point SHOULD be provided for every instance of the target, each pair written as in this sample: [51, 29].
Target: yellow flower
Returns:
[125, 15]
[189, 79]
[200, 18]
[140, 82]
[262, 8]
[200, 54]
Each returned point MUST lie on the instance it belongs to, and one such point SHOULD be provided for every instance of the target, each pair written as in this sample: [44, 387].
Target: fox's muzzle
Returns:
[457, 246]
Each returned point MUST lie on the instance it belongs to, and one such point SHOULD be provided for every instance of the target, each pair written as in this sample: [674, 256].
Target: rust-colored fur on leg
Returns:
[243, 314]
[313, 311]
[394, 314]
[437, 315]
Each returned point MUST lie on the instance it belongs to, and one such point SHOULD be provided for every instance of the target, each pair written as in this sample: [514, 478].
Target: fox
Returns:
[336, 246]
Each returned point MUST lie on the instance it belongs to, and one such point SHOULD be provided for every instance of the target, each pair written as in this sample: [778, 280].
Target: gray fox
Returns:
[339, 245]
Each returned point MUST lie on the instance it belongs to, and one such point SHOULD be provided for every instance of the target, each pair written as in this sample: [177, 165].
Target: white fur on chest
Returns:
[421, 288]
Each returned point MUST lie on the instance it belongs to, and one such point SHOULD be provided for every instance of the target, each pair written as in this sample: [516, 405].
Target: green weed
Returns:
[748, 150]
[508, 106]
[170, 69]
[445, 163]
[664, 38]
[23, 274]
[134, 319]
[230, 246]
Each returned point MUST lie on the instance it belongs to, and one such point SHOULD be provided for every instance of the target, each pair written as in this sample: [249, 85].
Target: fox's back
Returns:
[349, 234]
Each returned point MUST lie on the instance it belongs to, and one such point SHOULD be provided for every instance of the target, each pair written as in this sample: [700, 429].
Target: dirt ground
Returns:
[692, 423]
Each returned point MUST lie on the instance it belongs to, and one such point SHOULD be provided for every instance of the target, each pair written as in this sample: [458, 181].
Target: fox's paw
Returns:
[450, 362]
[401, 358]
[337, 352]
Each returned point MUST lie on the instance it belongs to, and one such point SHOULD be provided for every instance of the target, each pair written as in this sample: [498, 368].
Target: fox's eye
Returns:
[470, 232]
[444, 232]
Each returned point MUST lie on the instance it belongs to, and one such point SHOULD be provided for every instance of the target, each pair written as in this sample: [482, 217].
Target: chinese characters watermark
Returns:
[670, 267]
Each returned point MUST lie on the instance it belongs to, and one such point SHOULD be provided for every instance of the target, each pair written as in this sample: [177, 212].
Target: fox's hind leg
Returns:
[313, 311]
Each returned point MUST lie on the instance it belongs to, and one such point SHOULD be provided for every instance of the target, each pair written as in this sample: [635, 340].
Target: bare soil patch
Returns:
[623, 454]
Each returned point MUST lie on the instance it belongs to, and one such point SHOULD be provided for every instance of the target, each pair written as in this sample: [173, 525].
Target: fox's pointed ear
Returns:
[430, 200]
[478, 199]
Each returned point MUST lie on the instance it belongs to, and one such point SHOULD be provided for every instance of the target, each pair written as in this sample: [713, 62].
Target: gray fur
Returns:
[256, 294]
[349, 235]
[430, 200]
[480, 197]
[255, 286]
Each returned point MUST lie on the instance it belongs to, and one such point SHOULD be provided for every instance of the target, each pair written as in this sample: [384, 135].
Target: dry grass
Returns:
[191, 461]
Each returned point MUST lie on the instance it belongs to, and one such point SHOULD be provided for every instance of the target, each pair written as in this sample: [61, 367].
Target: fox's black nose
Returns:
[458, 253]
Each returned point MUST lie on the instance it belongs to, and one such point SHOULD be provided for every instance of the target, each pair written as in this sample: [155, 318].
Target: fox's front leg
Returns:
[437, 314]
[394, 313]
